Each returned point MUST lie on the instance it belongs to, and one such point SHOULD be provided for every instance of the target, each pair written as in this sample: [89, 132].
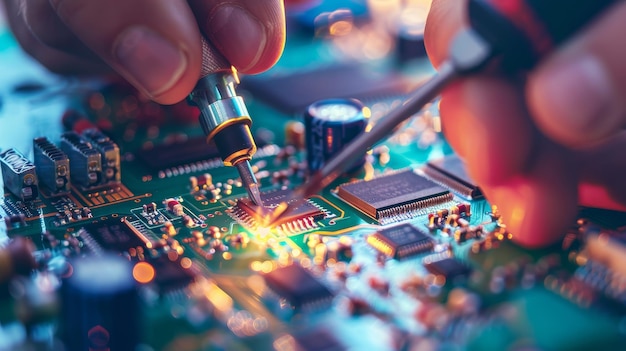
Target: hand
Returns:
[154, 44]
[542, 148]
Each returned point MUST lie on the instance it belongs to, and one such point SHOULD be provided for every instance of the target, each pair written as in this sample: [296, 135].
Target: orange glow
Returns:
[268, 266]
[172, 255]
[185, 262]
[256, 266]
[220, 300]
[143, 272]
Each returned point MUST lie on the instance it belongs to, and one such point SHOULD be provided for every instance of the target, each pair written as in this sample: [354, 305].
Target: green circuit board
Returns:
[212, 275]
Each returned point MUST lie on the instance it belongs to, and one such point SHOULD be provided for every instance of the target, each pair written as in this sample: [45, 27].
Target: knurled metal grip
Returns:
[212, 61]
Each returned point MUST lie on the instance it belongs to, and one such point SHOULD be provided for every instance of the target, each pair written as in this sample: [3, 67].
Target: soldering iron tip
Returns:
[249, 182]
[255, 194]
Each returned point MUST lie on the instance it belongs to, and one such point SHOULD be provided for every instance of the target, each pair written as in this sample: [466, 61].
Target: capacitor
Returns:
[294, 134]
[330, 125]
[100, 305]
[410, 39]
[17, 258]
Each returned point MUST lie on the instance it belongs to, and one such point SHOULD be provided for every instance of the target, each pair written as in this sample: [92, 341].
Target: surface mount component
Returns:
[85, 160]
[53, 166]
[114, 234]
[449, 268]
[401, 241]
[170, 275]
[304, 212]
[298, 287]
[110, 155]
[450, 171]
[19, 175]
[394, 196]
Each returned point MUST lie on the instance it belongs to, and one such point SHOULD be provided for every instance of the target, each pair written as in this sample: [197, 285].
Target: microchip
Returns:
[336, 81]
[450, 268]
[450, 171]
[401, 241]
[271, 200]
[177, 152]
[318, 340]
[114, 234]
[170, 275]
[298, 287]
[395, 196]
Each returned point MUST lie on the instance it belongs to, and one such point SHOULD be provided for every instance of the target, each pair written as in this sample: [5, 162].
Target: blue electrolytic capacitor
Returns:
[100, 305]
[330, 125]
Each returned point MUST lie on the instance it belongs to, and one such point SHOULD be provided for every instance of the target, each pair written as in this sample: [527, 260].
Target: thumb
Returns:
[577, 95]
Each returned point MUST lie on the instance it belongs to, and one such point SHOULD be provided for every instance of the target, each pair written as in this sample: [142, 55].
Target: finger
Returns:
[602, 174]
[485, 122]
[154, 44]
[249, 33]
[577, 95]
[54, 60]
[540, 205]
[445, 19]
[46, 26]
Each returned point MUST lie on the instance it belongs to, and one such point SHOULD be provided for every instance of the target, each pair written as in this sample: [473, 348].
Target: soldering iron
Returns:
[224, 117]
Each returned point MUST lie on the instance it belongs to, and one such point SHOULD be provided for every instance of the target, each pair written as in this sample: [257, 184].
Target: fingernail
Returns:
[581, 94]
[238, 35]
[152, 62]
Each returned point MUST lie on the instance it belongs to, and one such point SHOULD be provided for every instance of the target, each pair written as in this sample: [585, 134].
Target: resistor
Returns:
[462, 209]
[174, 206]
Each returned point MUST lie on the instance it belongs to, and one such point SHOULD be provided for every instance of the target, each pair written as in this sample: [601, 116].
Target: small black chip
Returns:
[170, 275]
[318, 340]
[271, 200]
[401, 241]
[395, 196]
[449, 268]
[114, 234]
[450, 171]
[298, 287]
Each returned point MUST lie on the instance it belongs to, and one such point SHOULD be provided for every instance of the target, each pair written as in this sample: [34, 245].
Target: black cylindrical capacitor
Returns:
[100, 305]
[330, 125]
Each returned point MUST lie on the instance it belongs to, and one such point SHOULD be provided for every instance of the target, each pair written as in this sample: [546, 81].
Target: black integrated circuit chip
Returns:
[162, 156]
[180, 152]
[170, 275]
[450, 171]
[298, 287]
[114, 234]
[450, 268]
[401, 241]
[271, 200]
[393, 196]
[336, 81]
